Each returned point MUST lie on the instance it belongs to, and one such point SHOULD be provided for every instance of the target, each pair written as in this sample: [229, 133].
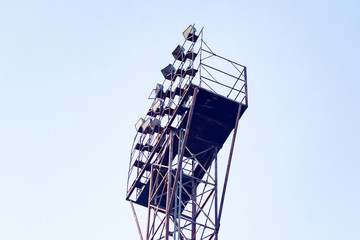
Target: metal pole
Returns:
[201, 49]
[136, 220]
[216, 196]
[167, 220]
[193, 198]
[149, 206]
[180, 183]
[229, 162]
[246, 90]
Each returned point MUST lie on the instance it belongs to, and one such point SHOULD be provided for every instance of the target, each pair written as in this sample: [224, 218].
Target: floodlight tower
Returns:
[173, 170]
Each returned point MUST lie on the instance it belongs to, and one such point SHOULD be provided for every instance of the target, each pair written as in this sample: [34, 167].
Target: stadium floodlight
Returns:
[146, 127]
[138, 125]
[158, 92]
[169, 72]
[178, 53]
[158, 106]
[156, 125]
[189, 34]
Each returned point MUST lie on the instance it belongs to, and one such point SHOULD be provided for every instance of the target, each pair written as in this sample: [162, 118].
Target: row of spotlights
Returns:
[170, 73]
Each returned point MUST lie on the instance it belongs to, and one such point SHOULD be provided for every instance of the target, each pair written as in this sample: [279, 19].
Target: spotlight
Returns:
[168, 72]
[189, 34]
[156, 125]
[178, 53]
[138, 125]
[146, 127]
[158, 106]
[158, 92]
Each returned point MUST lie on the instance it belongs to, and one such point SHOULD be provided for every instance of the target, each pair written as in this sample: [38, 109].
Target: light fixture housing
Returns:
[189, 34]
[138, 125]
[168, 72]
[156, 125]
[158, 106]
[146, 127]
[178, 53]
[157, 92]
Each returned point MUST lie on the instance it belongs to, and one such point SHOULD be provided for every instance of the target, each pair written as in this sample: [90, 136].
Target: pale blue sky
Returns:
[74, 79]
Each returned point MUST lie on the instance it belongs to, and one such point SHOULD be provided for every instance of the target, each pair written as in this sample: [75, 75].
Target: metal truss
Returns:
[175, 181]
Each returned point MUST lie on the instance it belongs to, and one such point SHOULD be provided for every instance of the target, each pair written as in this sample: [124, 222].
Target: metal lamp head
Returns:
[168, 72]
[138, 125]
[178, 53]
[189, 34]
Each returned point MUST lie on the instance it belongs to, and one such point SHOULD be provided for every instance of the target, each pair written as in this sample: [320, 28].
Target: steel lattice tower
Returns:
[173, 170]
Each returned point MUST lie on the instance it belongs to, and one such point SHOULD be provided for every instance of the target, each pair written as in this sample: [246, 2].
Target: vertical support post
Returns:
[193, 210]
[175, 212]
[229, 161]
[246, 90]
[217, 222]
[167, 220]
[149, 206]
[180, 182]
[201, 49]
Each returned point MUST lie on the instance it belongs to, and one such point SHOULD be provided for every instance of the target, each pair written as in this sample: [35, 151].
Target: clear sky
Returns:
[75, 77]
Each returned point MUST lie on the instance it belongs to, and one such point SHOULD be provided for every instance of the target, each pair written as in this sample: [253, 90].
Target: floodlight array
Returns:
[168, 104]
